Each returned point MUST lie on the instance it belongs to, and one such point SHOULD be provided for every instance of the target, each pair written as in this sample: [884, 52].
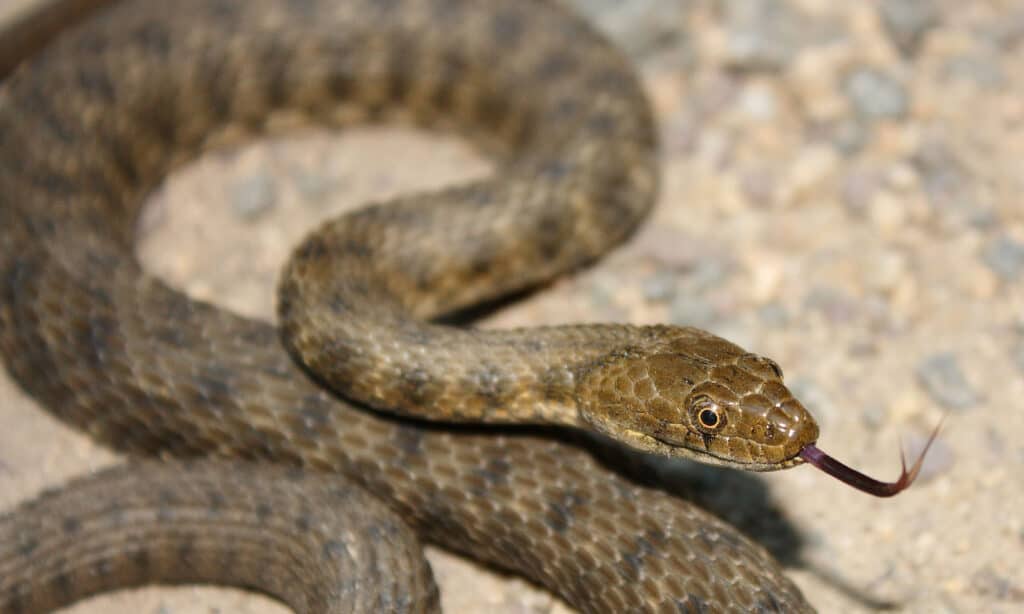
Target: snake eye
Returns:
[707, 415]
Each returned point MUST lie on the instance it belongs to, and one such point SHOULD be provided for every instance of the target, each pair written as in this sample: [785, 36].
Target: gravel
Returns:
[875, 94]
[762, 34]
[642, 27]
[919, 158]
[1005, 256]
[980, 68]
[253, 196]
[945, 383]
[908, 21]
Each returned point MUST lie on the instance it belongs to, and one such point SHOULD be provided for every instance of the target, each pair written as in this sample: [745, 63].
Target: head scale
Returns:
[689, 393]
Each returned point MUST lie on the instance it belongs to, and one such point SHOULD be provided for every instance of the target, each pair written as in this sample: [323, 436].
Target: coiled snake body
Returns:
[89, 126]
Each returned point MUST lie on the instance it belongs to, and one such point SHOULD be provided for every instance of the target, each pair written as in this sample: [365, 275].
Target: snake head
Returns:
[695, 395]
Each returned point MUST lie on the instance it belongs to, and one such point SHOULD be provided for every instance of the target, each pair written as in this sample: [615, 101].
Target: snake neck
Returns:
[443, 373]
[356, 306]
[357, 297]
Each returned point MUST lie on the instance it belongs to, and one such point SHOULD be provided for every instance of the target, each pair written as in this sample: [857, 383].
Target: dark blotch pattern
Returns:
[101, 117]
[562, 511]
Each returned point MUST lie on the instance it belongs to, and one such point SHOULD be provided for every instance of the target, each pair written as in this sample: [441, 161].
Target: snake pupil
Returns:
[708, 418]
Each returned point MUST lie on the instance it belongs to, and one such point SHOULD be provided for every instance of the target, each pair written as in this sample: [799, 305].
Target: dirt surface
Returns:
[843, 192]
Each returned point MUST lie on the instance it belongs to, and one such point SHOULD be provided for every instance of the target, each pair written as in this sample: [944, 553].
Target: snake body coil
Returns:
[91, 125]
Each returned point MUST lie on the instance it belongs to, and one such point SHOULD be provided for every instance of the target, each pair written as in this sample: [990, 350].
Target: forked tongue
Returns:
[814, 456]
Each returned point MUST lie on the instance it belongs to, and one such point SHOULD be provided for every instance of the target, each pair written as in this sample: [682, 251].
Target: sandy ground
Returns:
[843, 191]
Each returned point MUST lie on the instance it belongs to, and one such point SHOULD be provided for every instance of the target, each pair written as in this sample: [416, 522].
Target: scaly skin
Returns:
[93, 123]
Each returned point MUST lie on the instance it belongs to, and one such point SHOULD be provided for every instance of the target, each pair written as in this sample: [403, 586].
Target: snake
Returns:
[310, 458]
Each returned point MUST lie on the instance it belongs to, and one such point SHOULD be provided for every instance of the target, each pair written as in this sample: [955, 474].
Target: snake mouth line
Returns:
[813, 455]
[755, 466]
[711, 458]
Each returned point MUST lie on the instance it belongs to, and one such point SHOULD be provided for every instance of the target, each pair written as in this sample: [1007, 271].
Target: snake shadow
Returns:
[737, 497]
[740, 498]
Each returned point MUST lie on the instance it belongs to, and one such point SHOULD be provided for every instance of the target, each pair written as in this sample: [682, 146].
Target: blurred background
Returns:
[843, 191]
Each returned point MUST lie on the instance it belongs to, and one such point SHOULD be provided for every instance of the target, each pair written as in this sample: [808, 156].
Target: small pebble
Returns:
[982, 69]
[942, 378]
[642, 27]
[907, 22]
[881, 313]
[946, 181]
[689, 310]
[863, 348]
[1008, 29]
[708, 273]
[660, 287]
[939, 167]
[253, 196]
[832, 303]
[901, 177]
[761, 34]
[605, 291]
[997, 586]
[888, 213]
[875, 416]
[758, 102]
[758, 185]
[809, 174]
[982, 217]
[875, 94]
[1005, 256]
[995, 441]
[849, 135]
[857, 189]
[313, 186]
[773, 315]
[669, 248]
